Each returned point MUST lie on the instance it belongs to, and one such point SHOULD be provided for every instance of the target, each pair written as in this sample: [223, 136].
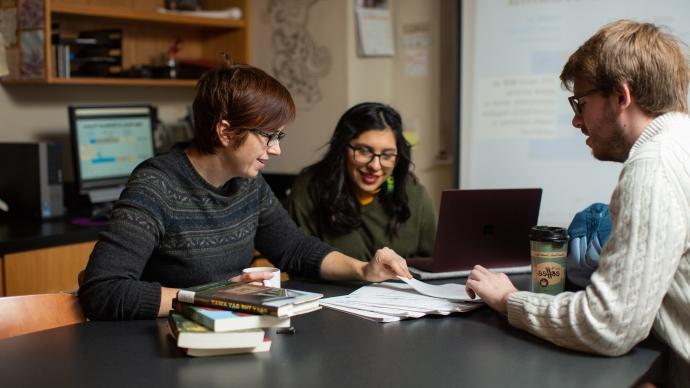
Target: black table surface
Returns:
[329, 349]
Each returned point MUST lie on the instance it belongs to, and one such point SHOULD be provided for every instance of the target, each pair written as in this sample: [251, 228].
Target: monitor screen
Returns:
[108, 142]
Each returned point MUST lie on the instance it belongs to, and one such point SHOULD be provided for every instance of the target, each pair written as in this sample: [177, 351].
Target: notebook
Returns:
[487, 227]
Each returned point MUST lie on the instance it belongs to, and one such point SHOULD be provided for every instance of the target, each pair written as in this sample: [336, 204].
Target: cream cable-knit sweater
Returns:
[644, 270]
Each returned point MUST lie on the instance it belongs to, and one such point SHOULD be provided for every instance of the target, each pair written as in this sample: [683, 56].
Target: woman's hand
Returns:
[386, 264]
[494, 288]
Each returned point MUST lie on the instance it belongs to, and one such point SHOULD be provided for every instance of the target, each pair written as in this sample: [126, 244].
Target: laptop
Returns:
[487, 227]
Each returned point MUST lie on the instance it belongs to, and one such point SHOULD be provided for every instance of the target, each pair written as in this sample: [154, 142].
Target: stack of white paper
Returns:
[389, 302]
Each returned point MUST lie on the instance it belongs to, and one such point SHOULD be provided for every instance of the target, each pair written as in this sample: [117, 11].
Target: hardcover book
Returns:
[251, 298]
[190, 334]
[227, 320]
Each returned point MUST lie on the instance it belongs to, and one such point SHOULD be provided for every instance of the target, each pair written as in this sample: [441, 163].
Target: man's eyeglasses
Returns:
[575, 102]
[273, 137]
[364, 155]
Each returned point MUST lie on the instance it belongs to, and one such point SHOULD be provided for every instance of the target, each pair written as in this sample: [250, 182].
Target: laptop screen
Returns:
[489, 227]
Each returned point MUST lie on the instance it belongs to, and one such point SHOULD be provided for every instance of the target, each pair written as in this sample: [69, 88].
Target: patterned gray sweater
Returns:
[171, 228]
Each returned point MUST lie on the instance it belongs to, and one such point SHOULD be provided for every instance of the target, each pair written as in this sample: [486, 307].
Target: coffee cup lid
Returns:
[548, 233]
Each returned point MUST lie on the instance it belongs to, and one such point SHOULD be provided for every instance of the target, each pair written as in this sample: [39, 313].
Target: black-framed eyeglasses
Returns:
[364, 155]
[273, 138]
[575, 102]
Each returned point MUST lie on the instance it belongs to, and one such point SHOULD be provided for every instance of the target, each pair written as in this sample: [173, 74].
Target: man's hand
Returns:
[494, 288]
[386, 264]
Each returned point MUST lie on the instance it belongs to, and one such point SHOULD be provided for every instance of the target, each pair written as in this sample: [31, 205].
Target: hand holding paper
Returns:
[385, 265]
[451, 291]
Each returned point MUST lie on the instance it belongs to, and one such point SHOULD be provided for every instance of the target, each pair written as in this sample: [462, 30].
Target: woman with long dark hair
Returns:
[362, 195]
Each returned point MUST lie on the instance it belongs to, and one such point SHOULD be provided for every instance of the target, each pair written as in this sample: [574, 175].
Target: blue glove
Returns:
[589, 231]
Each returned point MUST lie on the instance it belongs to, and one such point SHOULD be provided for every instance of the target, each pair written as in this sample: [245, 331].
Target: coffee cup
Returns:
[549, 252]
[274, 281]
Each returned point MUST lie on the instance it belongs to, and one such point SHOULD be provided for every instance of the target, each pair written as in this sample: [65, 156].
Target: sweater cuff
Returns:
[149, 301]
[314, 262]
[516, 308]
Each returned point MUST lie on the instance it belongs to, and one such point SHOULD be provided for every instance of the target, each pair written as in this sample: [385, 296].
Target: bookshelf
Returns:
[147, 35]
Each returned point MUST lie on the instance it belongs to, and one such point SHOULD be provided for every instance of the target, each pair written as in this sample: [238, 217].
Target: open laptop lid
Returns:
[488, 227]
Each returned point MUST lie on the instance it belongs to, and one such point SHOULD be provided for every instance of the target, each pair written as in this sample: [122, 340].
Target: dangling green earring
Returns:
[390, 184]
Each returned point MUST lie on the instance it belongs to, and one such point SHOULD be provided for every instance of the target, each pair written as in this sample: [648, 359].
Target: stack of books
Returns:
[229, 318]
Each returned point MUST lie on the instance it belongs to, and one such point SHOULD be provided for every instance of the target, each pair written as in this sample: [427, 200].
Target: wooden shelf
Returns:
[123, 81]
[144, 16]
[146, 38]
[104, 81]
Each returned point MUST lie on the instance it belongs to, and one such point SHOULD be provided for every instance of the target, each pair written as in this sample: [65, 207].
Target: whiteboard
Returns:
[515, 121]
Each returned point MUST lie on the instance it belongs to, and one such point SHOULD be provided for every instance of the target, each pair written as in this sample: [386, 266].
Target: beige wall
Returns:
[418, 98]
[370, 78]
[314, 124]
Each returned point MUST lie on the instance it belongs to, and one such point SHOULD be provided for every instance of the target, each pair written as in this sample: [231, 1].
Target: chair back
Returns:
[29, 313]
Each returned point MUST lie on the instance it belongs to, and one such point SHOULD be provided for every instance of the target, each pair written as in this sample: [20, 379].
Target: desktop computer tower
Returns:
[31, 179]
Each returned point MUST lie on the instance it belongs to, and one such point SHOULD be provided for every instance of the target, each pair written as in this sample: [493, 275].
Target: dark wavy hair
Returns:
[330, 188]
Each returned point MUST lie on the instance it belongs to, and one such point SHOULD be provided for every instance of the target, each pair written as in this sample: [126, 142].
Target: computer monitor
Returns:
[108, 142]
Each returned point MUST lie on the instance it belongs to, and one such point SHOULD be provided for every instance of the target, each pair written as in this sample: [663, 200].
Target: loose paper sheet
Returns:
[375, 32]
[389, 302]
[451, 291]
